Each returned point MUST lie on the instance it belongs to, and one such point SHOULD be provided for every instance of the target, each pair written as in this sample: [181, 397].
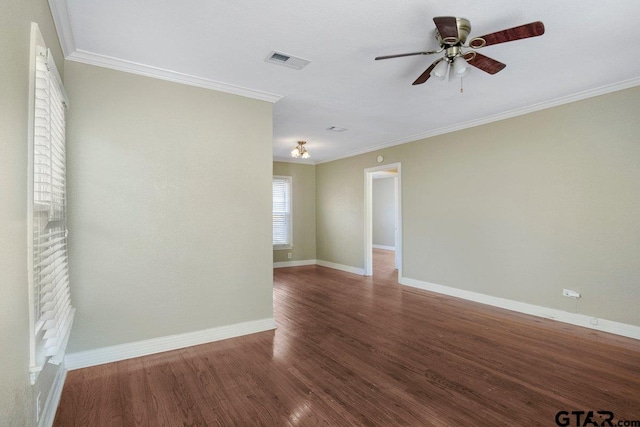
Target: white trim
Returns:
[384, 247]
[385, 174]
[368, 216]
[85, 57]
[64, 29]
[99, 356]
[36, 45]
[397, 235]
[603, 90]
[60, 15]
[289, 245]
[282, 247]
[341, 267]
[585, 321]
[298, 263]
[48, 414]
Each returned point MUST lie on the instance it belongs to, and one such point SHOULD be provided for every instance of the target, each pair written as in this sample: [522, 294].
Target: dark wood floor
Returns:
[351, 350]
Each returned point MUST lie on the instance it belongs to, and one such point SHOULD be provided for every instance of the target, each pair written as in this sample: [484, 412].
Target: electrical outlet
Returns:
[289, 255]
[570, 294]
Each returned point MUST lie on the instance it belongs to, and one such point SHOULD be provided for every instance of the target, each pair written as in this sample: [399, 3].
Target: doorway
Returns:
[393, 173]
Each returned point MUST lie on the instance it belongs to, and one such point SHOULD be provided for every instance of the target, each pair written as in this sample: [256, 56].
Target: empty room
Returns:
[234, 213]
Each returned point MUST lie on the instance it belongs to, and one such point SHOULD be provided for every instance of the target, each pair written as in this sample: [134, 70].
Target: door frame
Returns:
[368, 216]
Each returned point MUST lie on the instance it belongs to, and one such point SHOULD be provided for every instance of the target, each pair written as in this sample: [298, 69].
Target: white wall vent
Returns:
[286, 60]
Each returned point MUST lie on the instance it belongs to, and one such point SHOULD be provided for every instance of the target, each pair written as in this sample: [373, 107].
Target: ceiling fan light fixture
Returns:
[440, 70]
[451, 34]
[460, 67]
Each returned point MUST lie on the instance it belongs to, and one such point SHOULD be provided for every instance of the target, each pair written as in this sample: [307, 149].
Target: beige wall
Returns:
[16, 394]
[518, 209]
[169, 207]
[383, 211]
[340, 210]
[304, 211]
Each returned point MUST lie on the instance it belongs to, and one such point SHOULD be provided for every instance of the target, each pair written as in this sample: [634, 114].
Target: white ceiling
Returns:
[588, 49]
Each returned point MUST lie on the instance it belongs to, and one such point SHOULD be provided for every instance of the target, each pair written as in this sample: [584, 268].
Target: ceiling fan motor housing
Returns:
[464, 28]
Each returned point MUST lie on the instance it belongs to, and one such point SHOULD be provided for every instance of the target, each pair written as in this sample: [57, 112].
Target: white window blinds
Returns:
[282, 224]
[52, 313]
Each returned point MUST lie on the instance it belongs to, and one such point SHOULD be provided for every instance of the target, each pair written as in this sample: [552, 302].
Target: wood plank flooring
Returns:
[352, 350]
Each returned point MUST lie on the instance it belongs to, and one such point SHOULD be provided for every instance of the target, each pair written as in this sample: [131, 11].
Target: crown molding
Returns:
[62, 22]
[60, 15]
[90, 58]
[603, 90]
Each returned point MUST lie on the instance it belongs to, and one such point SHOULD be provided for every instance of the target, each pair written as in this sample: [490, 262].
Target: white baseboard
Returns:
[603, 325]
[347, 268]
[298, 263]
[48, 414]
[386, 248]
[341, 267]
[99, 356]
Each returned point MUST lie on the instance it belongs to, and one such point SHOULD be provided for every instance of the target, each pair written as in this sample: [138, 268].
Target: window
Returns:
[282, 220]
[51, 313]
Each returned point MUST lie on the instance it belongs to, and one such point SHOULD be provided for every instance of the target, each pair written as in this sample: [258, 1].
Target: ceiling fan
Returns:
[452, 33]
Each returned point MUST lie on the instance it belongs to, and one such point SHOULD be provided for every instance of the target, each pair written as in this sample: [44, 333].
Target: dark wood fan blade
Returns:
[448, 28]
[534, 29]
[484, 63]
[429, 52]
[425, 76]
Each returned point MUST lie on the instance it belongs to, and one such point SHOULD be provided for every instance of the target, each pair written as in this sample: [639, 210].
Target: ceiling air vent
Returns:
[286, 60]
[336, 129]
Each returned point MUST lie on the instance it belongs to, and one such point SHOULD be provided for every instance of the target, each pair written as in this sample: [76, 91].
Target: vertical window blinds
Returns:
[282, 226]
[52, 313]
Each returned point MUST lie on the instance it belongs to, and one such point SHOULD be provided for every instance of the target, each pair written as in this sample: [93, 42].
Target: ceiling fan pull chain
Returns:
[461, 88]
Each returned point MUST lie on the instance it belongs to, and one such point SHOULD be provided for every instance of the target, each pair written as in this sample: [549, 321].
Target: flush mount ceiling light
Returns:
[300, 151]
